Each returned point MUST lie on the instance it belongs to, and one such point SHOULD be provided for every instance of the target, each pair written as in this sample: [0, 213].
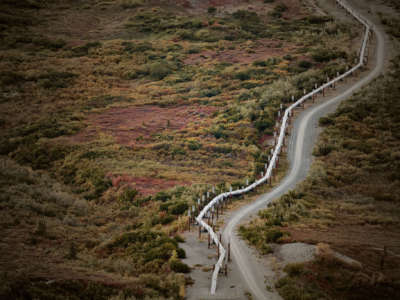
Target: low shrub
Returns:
[323, 150]
[278, 10]
[159, 70]
[84, 50]
[260, 63]
[326, 121]
[11, 78]
[105, 100]
[129, 4]
[128, 196]
[130, 47]
[210, 93]
[49, 44]
[305, 64]
[294, 269]
[181, 253]
[194, 145]
[246, 75]
[211, 10]
[162, 196]
[273, 235]
[55, 79]
[178, 208]
[325, 55]
[179, 267]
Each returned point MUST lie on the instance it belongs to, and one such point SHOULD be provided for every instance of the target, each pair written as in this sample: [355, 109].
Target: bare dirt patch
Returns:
[264, 49]
[145, 185]
[362, 243]
[137, 124]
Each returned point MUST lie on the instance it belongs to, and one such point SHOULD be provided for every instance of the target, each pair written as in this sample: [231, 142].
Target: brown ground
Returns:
[264, 49]
[130, 125]
[229, 6]
[363, 243]
[266, 139]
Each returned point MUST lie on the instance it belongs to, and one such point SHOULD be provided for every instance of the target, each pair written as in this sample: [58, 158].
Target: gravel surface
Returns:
[296, 253]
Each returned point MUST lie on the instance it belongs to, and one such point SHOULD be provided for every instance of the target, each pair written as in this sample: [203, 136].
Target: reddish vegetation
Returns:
[145, 185]
[266, 139]
[130, 125]
[294, 9]
[264, 49]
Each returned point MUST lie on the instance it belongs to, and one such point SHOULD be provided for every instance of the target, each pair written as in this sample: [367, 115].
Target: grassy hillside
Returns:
[349, 202]
[115, 116]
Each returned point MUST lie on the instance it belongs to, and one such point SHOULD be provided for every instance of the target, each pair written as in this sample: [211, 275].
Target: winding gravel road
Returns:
[303, 137]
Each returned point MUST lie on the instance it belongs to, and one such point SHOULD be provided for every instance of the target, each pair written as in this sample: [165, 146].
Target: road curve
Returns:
[303, 137]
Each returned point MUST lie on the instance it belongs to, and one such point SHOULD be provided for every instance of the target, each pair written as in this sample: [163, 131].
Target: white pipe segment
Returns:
[278, 147]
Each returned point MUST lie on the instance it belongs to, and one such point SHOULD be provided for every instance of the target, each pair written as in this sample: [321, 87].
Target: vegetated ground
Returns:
[116, 116]
[350, 201]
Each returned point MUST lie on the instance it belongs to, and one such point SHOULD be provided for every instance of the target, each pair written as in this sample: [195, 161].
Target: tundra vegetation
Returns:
[350, 201]
[116, 115]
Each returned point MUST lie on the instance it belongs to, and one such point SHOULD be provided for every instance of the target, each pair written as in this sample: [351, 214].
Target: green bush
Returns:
[244, 96]
[159, 70]
[161, 251]
[128, 196]
[39, 156]
[326, 121]
[273, 235]
[262, 124]
[325, 55]
[210, 92]
[181, 253]
[194, 145]
[305, 64]
[179, 267]
[260, 63]
[318, 19]
[246, 75]
[162, 196]
[295, 269]
[179, 238]
[244, 15]
[178, 208]
[278, 10]
[128, 4]
[211, 10]
[138, 47]
[55, 79]
[218, 132]
[323, 150]
[167, 219]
